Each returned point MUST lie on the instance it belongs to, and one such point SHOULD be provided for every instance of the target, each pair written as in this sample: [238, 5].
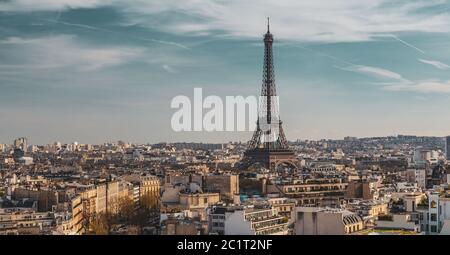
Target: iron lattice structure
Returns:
[272, 137]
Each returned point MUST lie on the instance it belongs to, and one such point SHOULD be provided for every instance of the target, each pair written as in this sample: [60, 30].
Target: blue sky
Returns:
[93, 71]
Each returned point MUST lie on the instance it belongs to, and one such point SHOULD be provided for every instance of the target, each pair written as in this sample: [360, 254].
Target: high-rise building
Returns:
[18, 153]
[447, 147]
[21, 143]
[421, 156]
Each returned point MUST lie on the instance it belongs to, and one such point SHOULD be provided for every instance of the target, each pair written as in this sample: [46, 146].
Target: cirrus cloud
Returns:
[436, 64]
[427, 86]
[376, 72]
[49, 5]
[304, 20]
[62, 51]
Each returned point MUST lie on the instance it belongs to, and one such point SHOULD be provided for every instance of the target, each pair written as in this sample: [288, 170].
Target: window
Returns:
[433, 204]
[433, 229]
[205, 200]
[433, 217]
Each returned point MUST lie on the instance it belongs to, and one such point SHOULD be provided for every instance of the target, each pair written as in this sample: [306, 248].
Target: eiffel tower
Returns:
[269, 145]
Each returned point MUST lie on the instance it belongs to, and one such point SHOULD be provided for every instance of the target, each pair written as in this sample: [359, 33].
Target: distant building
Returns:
[367, 208]
[25, 222]
[323, 168]
[197, 202]
[216, 220]
[20, 143]
[144, 186]
[109, 195]
[76, 225]
[358, 189]
[283, 205]
[421, 156]
[325, 221]
[418, 176]
[241, 220]
[412, 201]
[438, 176]
[25, 161]
[255, 221]
[176, 226]
[46, 198]
[397, 221]
[324, 191]
[198, 146]
[447, 147]
[18, 153]
[226, 185]
[435, 213]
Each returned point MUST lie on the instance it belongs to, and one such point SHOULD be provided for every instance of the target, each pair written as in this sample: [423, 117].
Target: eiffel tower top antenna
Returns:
[268, 25]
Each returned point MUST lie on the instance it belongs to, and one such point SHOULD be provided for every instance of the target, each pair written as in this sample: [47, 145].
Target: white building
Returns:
[400, 221]
[248, 221]
[418, 176]
[25, 160]
[435, 214]
[325, 221]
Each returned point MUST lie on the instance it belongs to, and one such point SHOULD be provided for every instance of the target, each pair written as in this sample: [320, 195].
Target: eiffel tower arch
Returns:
[268, 146]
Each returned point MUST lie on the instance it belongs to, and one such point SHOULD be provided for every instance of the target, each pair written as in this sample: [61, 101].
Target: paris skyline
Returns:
[93, 71]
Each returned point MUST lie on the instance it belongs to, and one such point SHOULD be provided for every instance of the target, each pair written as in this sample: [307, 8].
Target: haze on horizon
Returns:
[95, 71]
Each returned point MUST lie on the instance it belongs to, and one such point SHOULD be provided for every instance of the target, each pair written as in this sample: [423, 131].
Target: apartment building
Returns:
[325, 221]
[255, 221]
[311, 192]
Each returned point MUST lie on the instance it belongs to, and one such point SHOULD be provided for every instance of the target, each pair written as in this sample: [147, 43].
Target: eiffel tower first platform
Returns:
[268, 146]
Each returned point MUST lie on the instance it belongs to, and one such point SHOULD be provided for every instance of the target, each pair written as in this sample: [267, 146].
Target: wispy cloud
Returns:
[374, 72]
[353, 20]
[406, 43]
[395, 82]
[320, 53]
[392, 81]
[62, 51]
[83, 26]
[169, 69]
[428, 86]
[435, 63]
[50, 5]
